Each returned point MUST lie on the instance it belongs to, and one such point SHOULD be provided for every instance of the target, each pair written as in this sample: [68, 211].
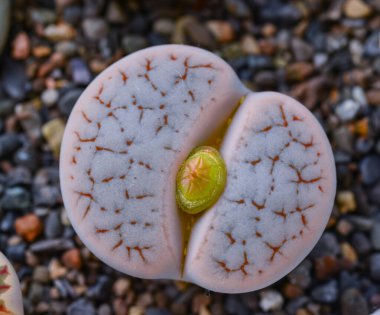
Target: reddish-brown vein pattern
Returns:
[184, 76]
[113, 109]
[285, 121]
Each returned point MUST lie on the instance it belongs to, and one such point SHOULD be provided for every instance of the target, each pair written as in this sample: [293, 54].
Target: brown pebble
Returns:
[350, 258]
[21, 46]
[346, 201]
[356, 9]
[362, 127]
[373, 97]
[292, 291]
[299, 71]
[269, 30]
[326, 266]
[72, 258]
[303, 311]
[29, 227]
[199, 301]
[161, 299]
[144, 300]
[121, 286]
[120, 306]
[41, 51]
[249, 45]
[267, 46]
[222, 30]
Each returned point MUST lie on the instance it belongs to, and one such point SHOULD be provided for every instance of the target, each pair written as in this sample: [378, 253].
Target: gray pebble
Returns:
[41, 274]
[9, 143]
[343, 139]
[238, 8]
[327, 246]
[347, 110]
[374, 266]
[53, 226]
[67, 48]
[301, 275]
[6, 107]
[101, 289]
[375, 236]
[7, 222]
[51, 246]
[49, 97]
[16, 253]
[361, 223]
[372, 47]
[81, 307]
[361, 243]
[302, 51]
[42, 15]
[36, 292]
[14, 78]
[19, 176]
[105, 309]
[95, 28]
[80, 72]
[326, 293]
[46, 196]
[16, 198]
[374, 195]
[354, 303]
[370, 169]
[164, 26]
[132, 43]
[68, 100]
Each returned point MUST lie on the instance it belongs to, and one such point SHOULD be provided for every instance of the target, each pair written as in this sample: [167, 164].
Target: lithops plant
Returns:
[10, 292]
[171, 168]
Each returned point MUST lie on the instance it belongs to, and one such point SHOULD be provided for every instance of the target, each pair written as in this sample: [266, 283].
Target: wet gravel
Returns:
[324, 53]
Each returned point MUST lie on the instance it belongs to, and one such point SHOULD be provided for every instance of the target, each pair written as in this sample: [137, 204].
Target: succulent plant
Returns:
[134, 156]
[10, 292]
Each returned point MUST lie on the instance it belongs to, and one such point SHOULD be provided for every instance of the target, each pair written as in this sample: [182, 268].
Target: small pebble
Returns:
[59, 32]
[121, 286]
[132, 43]
[72, 258]
[375, 236]
[95, 28]
[271, 300]
[346, 201]
[356, 9]
[326, 293]
[9, 143]
[49, 97]
[41, 274]
[81, 306]
[56, 270]
[53, 133]
[374, 266]
[53, 226]
[68, 100]
[238, 8]
[222, 30]
[164, 26]
[354, 303]
[370, 169]
[15, 198]
[347, 110]
[79, 71]
[29, 227]
[21, 46]
[361, 243]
